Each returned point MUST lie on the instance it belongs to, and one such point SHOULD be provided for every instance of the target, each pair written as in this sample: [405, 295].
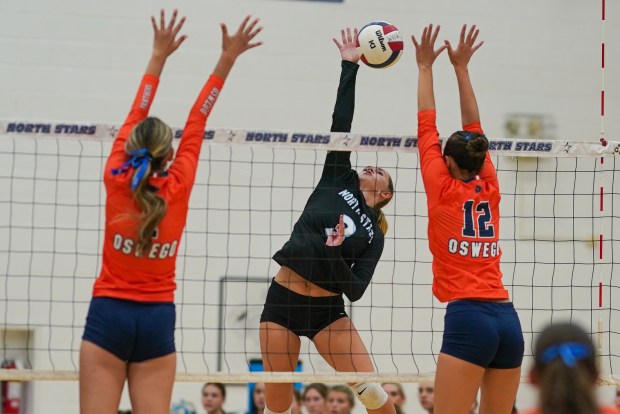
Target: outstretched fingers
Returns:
[248, 30]
[244, 22]
[473, 33]
[179, 26]
[241, 40]
[435, 34]
[173, 19]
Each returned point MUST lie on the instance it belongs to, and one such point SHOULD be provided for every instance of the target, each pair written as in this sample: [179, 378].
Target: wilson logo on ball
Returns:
[380, 44]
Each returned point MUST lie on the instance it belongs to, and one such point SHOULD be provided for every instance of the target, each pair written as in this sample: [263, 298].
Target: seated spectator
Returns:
[396, 393]
[314, 398]
[340, 400]
[426, 394]
[213, 397]
[258, 399]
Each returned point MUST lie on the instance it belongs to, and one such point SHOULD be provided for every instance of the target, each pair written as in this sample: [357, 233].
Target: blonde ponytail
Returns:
[156, 137]
[382, 222]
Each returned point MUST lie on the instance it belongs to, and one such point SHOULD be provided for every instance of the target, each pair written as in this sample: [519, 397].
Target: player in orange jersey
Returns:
[483, 342]
[565, 372]
[129, 333]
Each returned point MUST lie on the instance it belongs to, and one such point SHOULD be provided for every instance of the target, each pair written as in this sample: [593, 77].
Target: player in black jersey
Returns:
[333, 250]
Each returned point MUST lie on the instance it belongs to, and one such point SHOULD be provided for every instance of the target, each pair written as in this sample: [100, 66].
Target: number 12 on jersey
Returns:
[483, 212]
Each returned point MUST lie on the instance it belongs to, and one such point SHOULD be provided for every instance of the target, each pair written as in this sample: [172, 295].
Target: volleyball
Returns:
[380, 44]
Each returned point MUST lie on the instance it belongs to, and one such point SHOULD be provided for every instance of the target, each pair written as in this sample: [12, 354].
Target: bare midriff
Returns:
[296, 283]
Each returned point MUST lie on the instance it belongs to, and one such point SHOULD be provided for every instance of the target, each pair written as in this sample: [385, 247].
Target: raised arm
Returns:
[426, 54]
[183, 168]
[338, 162]
[470, 115]
[165, 42]
[432, 163]
[459, 58]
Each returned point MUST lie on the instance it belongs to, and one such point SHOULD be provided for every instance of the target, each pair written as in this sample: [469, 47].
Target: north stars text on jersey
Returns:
[127, 246]
[473, 249]
[354, 203]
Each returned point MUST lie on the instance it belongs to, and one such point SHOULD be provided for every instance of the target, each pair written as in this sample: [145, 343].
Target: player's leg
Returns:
[102, 376]
[280, 350]
[499, 389]
[341, 346]
[107, 341]
[283, 315]
[470, 343]
[456, 384]
[150, 384]
[501, 380]
[153, 363]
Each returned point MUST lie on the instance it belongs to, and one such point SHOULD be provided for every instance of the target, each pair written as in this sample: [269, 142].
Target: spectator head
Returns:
[314, 398]
[396, 393]
[213, 397]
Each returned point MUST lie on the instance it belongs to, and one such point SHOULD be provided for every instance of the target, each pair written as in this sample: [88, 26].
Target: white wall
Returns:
[80, 61]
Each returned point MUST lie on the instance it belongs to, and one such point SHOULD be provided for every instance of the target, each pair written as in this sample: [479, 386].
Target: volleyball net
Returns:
[560, 207]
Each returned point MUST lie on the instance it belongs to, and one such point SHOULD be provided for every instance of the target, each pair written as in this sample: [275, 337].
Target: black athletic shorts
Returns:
[302, 315]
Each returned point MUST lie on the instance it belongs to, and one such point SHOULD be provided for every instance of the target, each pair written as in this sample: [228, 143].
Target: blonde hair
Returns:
[381, 219]
[154, 135]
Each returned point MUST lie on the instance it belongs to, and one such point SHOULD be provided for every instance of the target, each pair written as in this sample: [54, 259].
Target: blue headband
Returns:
[140, 160]
[569, 352]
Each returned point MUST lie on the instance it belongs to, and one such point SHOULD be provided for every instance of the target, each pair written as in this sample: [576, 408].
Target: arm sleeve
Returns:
[488, 169]
[139, 111]
[339, 162]
[183, 168]
[354, 281]
[432, 164]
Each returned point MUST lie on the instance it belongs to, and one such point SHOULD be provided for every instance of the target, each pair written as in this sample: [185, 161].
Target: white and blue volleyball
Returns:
[380, 44]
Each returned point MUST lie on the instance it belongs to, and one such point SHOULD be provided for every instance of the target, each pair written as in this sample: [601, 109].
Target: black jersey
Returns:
[347, 268]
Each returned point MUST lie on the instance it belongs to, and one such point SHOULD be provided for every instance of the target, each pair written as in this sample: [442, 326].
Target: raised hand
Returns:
[348, 48]
[165, 35]
[337, 236]
[466, 48]
[425, 52]
[234, 45]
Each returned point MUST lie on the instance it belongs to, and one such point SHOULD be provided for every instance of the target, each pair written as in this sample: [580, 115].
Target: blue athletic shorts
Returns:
[487, 334]
[133, 331]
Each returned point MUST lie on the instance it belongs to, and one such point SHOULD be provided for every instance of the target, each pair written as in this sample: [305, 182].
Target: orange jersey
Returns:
[150, 278]
[463, 222]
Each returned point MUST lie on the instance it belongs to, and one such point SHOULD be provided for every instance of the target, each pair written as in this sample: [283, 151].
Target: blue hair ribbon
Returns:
[569, 352]
[140, 160]
[467, 137]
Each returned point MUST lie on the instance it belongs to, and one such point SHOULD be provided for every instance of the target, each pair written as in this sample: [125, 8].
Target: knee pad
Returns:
[371, 394]
[268, 411]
